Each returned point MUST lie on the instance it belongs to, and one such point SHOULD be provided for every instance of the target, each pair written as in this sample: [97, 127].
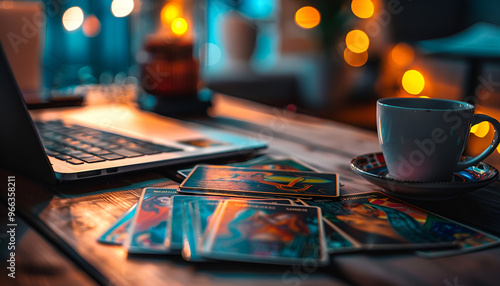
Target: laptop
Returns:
[67, 144]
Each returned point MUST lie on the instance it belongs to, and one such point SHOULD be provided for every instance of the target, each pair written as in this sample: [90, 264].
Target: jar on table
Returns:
[171, 70]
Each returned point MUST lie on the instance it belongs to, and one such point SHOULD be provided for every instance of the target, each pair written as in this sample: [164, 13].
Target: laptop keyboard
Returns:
[77, 144]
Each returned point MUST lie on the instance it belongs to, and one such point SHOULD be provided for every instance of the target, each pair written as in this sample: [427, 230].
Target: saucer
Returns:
[372, 168]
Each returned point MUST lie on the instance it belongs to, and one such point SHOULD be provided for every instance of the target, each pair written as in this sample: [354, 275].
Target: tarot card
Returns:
[266, 162]
[224, 194]
[174, 241]
[261, 182]
[202, 211]
[148, 229]
[336, 242]
[117, 232]
[377, 221]
[189, 252]
[266, 233]
[174, 232]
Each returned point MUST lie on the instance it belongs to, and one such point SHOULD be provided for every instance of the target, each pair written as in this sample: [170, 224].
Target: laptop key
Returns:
[63, 157]
[94, 150]
[112, 156]
[166, 149]
[51, 153]
[141, 149]
[127, 153]
[102, 152]
[74, 153]
[113, 146]
[102, 144]
[93, 159]
[75, 161]
[84, 155]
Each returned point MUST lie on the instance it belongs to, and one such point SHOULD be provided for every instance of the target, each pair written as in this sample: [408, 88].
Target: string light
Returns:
[363, 9]
[73, 18]
[122, 8]
[179, 26]
[413, 82]
[307, 17]
[357, 41]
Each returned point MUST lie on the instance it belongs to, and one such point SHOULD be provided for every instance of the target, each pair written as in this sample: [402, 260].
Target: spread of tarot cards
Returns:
[280, 216]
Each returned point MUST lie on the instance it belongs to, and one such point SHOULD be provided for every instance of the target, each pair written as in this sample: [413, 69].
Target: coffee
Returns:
[423, 139]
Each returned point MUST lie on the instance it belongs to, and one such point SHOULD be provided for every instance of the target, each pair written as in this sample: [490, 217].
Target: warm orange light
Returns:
[179, 26]
[122, 8]
[362, 8]
[169, 12]
[480, 129]
[91, 26]
[355, 59]
[402, 54]
[413, 82]
[307, 17]
[72, 19]
[357, 41]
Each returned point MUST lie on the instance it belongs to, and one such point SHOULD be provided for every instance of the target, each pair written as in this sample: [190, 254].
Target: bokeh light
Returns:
[91, 26]
[213, 53]
[357, 41]
[307, 17]
[72, 19]
[355, 59]
[481, 129]
[413, 82]
[169, 12]
[402, 54]
[179, 26]
[362, 8]
[122, 8]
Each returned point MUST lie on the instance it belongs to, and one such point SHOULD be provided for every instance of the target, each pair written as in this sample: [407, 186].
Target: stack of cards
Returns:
[281, 211]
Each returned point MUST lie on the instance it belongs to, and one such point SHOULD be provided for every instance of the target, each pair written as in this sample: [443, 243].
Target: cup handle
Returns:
[496, 126]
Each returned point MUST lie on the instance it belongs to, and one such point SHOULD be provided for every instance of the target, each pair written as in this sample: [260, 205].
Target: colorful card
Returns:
[261, 182]
[174, 233]
[335, 242]
[201, 213]
[189, 241]
[377, 221]
[148, 230]
[266, 233]
[117, 232]
[174, 241]
[266, 162]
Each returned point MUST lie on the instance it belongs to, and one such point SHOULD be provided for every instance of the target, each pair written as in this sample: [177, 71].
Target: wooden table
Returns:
[59, 225]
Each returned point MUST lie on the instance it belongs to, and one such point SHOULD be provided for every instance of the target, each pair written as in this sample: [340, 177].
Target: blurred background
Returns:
[328, 58]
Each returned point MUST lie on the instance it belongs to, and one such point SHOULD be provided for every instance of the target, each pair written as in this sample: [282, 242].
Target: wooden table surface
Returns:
[60, 224]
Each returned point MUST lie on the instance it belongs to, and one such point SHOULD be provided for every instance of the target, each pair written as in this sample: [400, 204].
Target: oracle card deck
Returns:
[251, 219]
